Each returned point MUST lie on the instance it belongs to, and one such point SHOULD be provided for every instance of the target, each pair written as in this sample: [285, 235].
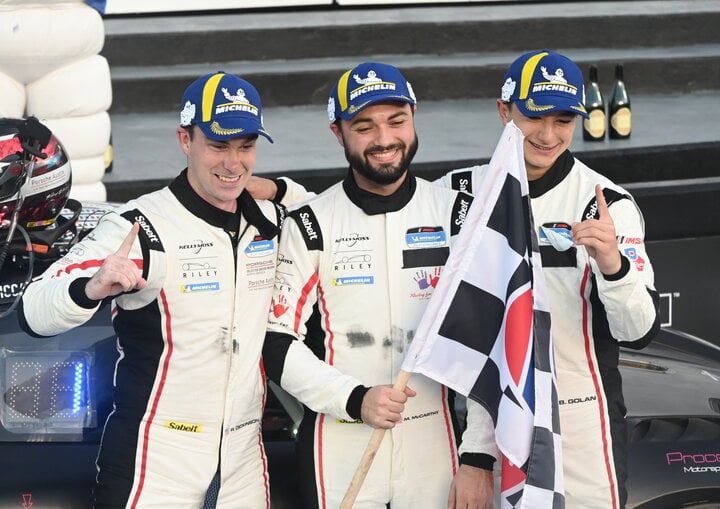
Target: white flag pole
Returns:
[370, 452]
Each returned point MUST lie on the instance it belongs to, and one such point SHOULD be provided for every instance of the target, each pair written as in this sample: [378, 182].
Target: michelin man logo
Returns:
[187, 114]
[507, 90]
[372, 77]
[558, 77]
[239, 97]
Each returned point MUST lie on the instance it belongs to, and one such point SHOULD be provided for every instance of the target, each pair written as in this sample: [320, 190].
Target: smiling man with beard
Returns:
[338, 331]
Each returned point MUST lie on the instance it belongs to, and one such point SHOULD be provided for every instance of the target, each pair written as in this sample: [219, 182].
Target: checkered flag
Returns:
[486, 331]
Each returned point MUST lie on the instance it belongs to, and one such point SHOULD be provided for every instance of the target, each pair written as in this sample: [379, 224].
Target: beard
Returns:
[383, 174]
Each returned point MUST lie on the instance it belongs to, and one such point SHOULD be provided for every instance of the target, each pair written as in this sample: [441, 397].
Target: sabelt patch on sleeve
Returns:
[460, 209]
[611, 196]
[309, 227]
[462, 181]
[147, 234]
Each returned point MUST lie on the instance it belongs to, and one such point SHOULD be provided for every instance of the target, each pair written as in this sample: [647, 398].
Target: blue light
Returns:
[78, 387]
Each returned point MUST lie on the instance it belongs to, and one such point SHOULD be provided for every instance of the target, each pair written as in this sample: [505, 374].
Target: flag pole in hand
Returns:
[370, 452]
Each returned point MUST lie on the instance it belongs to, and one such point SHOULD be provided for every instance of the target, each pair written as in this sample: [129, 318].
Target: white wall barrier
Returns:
[50, 67]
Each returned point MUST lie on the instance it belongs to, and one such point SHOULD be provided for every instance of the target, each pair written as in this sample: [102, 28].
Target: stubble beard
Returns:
[383, 174]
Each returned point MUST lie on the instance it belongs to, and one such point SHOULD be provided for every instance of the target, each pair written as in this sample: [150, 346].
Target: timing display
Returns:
[45, 391]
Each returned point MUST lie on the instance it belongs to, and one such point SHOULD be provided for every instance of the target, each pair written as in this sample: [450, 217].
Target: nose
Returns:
[384, 136]
[232, 160]
[546, 130]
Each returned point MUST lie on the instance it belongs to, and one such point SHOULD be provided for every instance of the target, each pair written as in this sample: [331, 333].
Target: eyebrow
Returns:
[365, 120]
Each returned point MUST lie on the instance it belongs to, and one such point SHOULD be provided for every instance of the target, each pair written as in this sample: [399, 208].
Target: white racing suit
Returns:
[592, 315]
[189, 382]
[355, 273]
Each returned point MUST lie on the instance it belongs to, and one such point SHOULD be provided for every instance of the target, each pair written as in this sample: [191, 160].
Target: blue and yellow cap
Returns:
[223, 106]
[542, 82]
[366, 84]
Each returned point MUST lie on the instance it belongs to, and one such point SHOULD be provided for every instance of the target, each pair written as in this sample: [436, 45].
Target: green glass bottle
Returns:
[594, 127]
[619, 110]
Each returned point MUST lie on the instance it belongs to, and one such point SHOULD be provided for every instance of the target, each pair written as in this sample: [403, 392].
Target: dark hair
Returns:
[190, 129]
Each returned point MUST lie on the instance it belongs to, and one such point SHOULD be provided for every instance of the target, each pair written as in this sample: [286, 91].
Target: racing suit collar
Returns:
[228, 221]
[372, 203]
[554, 175]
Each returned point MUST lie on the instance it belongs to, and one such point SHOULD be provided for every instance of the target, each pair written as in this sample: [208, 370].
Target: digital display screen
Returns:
[45, 391]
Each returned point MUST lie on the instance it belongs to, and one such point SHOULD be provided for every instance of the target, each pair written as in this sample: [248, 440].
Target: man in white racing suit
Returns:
[598, 275]
[190, 270]
[356, 268]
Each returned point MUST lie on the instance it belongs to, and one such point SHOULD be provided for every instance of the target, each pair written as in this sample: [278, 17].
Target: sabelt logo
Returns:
[305, 218]
[593, 210]
[184, 426]
[140, 219]
[462, 214]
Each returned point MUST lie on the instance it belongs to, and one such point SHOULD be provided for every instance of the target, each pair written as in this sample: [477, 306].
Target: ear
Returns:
[184, 140]
[335, 128]
[504, 111]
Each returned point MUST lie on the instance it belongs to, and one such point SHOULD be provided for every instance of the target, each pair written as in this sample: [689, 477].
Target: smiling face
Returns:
[218, 170]
[379, 142]
[546, 136]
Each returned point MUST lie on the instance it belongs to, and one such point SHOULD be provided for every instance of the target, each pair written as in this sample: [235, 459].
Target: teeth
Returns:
[387, 154]
[228, 179]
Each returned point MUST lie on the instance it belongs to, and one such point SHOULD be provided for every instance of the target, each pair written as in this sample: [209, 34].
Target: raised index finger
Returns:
[126, 246]
[602, 204]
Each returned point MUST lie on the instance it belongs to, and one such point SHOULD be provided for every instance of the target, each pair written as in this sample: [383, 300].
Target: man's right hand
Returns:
[118, 272]
[382, 406]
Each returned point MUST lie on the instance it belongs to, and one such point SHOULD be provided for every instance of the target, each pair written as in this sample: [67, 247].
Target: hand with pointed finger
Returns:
[382, 406]
[599, 238]
[118, 272]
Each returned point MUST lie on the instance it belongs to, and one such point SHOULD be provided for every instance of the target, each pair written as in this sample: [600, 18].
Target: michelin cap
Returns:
[366, 84]
[542, 82]
[223, 106]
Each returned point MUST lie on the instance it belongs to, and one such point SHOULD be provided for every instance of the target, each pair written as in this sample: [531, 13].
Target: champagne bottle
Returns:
[619, 108]
[594, 127]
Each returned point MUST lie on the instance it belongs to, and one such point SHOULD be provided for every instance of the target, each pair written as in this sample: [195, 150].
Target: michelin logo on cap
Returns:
[375, 82]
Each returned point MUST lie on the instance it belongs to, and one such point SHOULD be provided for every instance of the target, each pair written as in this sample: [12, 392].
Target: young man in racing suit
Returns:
[598, 275]
[356, 268]
[191, 269]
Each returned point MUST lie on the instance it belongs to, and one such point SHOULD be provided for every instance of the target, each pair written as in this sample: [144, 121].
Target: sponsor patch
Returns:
[184, 426]
[425, 236]
[354, 281]
[309, 227]
[460, 210]
[634, 257]
[557, 235]
[260, 247]
[200, 287]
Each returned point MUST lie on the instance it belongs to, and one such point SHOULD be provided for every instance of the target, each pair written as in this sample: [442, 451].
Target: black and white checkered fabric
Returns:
[486, 332]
